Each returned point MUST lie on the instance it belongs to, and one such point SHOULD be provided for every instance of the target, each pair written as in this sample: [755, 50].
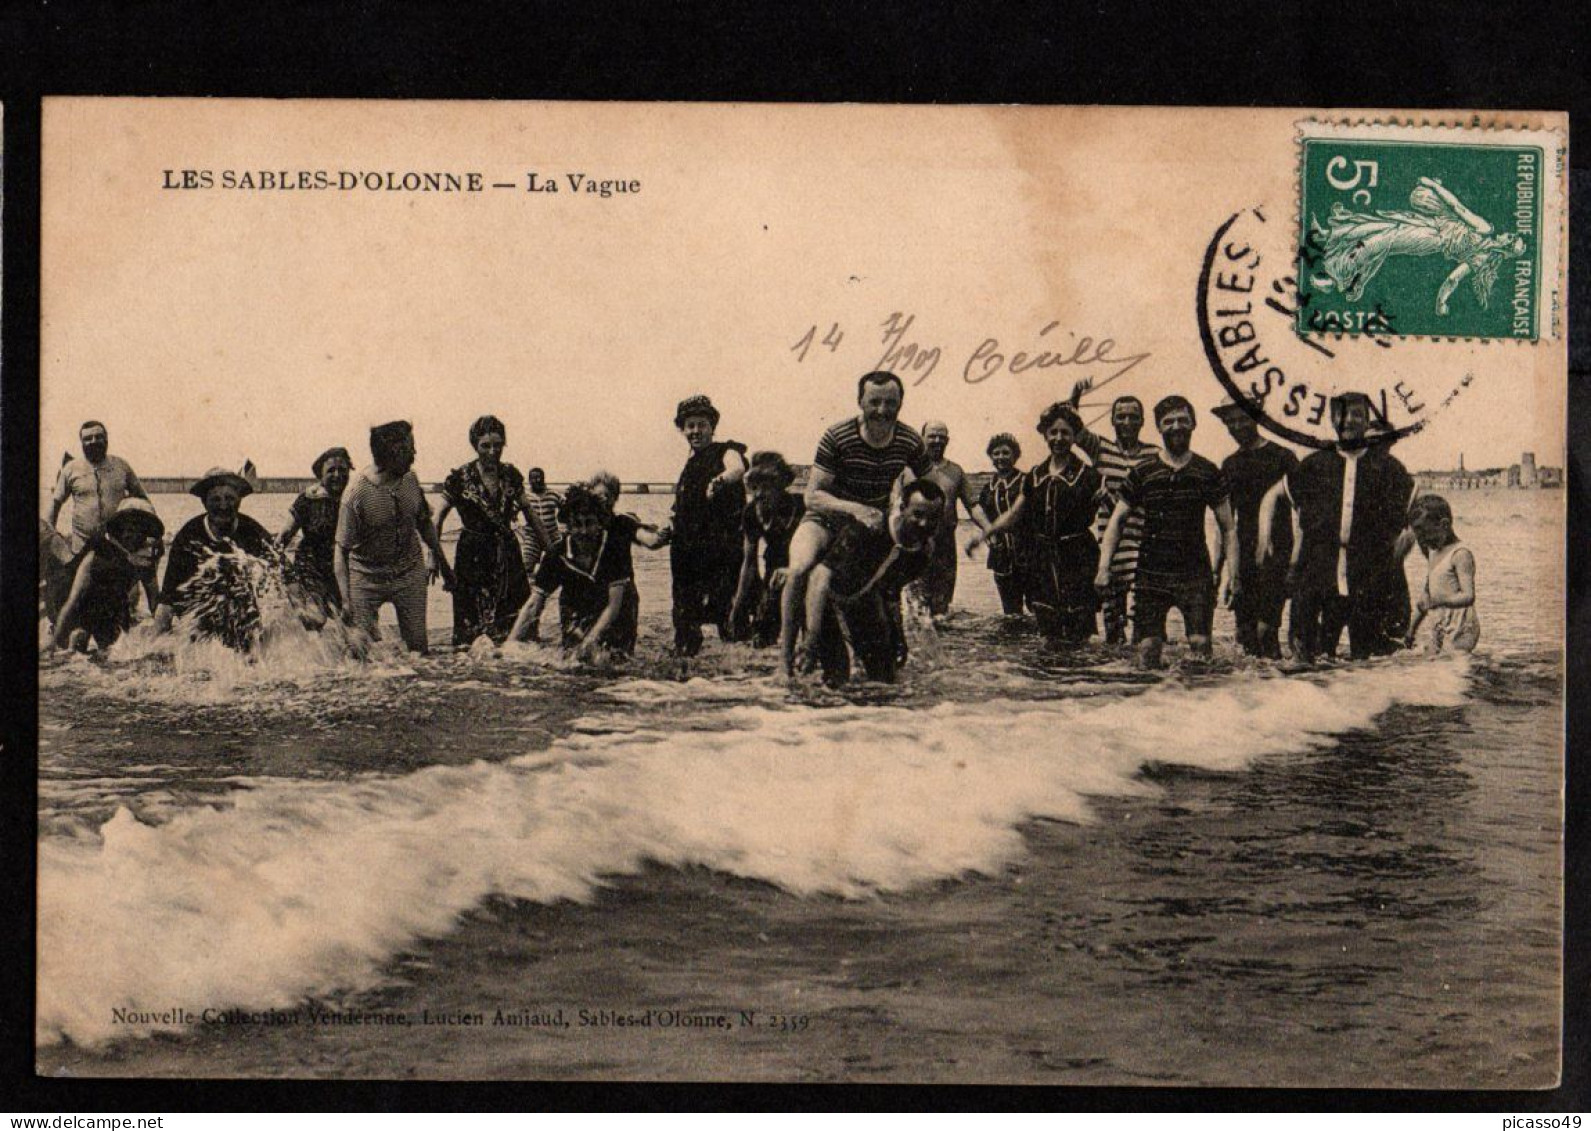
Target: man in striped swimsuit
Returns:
[382, 521]
[854, 478]
[545, 504]
[1113, 459]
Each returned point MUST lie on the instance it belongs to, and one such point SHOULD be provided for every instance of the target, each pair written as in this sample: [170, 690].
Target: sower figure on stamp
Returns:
[937, 587]
[1113, 459]
[859, 468]
[1250, 472]
[704, 550]
[1174, 564]
[1350, 504]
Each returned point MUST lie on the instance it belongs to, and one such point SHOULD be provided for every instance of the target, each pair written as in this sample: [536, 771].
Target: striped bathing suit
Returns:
[865, 474]
[1113, 464]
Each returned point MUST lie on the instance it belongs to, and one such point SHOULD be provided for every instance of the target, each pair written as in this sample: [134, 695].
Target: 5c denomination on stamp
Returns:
[1430, 231]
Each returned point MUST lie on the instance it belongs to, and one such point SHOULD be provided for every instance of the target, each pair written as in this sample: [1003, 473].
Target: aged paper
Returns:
[1025, 859]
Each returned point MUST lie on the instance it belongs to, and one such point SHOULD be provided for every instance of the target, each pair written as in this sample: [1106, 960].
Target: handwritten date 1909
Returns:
[905, 355]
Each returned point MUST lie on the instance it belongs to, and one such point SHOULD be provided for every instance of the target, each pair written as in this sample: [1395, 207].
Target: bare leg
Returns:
[806, 546]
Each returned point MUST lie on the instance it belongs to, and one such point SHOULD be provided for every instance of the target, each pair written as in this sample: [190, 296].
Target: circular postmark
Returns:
[1248, 309]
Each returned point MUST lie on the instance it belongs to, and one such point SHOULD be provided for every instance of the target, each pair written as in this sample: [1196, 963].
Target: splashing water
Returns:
[303, 888]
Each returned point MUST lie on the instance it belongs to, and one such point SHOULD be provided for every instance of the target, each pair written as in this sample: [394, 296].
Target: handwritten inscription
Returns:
[910, 355]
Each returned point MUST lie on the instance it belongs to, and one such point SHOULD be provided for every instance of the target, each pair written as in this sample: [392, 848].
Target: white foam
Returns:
[309, 888]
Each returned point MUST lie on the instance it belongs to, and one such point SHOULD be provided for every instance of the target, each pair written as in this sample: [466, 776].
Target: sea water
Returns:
[1020, 864]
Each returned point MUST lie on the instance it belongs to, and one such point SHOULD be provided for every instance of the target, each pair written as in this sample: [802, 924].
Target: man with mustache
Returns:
[1174, 570]
[96, 484]
[855, 476]
[1350, 504]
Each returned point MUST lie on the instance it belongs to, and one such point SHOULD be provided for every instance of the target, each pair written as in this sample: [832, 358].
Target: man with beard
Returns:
[1250, 472]
[382, 522]
[1173, 562]
[937, 586]
[854, 477]
[1113, 459]
[1350, 504]
[96, 484]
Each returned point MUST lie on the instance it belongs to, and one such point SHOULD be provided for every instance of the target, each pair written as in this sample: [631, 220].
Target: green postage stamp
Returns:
[1445, 231]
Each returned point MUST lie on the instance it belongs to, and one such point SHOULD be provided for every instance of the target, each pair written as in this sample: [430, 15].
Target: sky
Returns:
[210, 325]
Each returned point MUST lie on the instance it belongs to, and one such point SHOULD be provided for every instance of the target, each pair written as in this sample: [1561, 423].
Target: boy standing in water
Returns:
[1173, 563]
[704, 551]
[1448, 600]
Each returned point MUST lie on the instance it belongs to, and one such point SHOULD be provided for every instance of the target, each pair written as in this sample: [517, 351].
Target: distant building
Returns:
[1522, 475]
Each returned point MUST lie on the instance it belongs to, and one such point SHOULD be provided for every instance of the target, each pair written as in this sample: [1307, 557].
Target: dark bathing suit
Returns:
[1008, 552]
[761, 612]
[704, 554]
[223, 597]
[1173, 561]
[1262, 589]
[869, 572]
[490, 584]
[1058, 514]
[583, 596]
[316, 514]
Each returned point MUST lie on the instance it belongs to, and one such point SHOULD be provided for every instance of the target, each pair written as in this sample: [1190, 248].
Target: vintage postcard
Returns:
[801, 593]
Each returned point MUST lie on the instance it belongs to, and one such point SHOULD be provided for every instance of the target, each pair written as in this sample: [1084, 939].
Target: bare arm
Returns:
[1107, 547]
[1449, 285]
[969, 501]
[650, 537]
[339, 570]
[135, 486]
[610, 613]
[74, 599]
[1005, 522]
[1480, 225]
[748, 568]
[441, 522]
[433, 541]
[1267, 520]
[527, 626]
[59, 497]
[1226, 548]
[734, 471]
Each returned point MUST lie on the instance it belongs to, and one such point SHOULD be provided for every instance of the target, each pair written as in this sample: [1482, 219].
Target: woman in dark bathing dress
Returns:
[314, 515]
[1056, 510]
[490, 584]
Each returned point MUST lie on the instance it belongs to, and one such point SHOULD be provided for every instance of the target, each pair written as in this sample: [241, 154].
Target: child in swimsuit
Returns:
[1448, 600]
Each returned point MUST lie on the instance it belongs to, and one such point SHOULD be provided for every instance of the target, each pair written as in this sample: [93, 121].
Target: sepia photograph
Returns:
[801, 593]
